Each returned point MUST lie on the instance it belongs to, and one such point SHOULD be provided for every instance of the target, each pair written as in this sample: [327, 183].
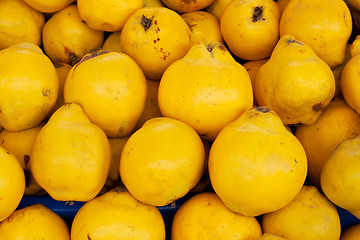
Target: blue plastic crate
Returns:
[68, 210]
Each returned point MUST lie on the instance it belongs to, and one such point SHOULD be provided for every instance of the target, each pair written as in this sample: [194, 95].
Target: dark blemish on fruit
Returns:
[258, 14]
[89, 56]
[2, 142]
[73, 58]
[83, 21]
[157, 30]
[45, 92]
[222, 47]
[317, 107]
[88, 236]
[26, 159]
[146, 22]
[93, 54]
[154, 41]
[155, 22]
[209, 48]
[290, 40]
[263, 109]
[191, 26]
[158, 39]
[295, 160]
[8, 153]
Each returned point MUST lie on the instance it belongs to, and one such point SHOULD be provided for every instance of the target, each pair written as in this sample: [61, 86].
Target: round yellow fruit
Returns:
[310, 215]
[110, 15]
[162, 161]
[66, 38]
[256, 165]
[12, 186]
[251, 28]
[340, 176]
[34, 222]
[117, 215]
[323, 25]
[206, 89]
[349, 83]
[20, 144]
[337, 123]
[49, 6]
[19, 23]
[155, 37]
[182, 6]
[295, 82]
[113, 100]
[204, 27]
[205, 216]
[28, 86]
[71, 156]
[351, 233]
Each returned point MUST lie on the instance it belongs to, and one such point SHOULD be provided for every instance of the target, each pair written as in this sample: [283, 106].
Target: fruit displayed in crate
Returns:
[13, 183]
[309, 215]
[71, 156]
[34, 222]
[323, 25]
[339, 176]
[255, 158]
[251, 28]
[118, 93]
[117, 215]
[66, 38]
[192, 220]
[29, 86]
[295, 82]
[169, 119]
[155, 38]
[162, 161]
[19, 23]
[206, 89]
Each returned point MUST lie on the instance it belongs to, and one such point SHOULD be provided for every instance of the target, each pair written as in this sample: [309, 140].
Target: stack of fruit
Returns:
[247, 109]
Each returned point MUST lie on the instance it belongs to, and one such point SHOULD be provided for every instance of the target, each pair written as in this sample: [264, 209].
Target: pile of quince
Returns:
[249, 108]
